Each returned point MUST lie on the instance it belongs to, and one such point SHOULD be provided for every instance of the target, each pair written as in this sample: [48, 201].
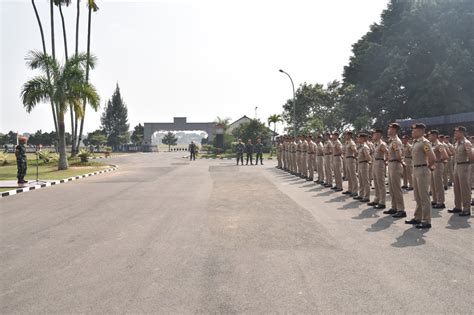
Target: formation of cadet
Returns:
[425, 163]
[249, 149]
[21, 162]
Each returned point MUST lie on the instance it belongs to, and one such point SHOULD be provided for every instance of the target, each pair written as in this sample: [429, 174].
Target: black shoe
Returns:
[334, 188]
[379, 206]
[404, 187]
[455, 210]
[346, 192]
[433, 203]
[412, 221]
[400, 214]
[439, 206]
[409, 189]
[373, 204]
[390, 211]
[423, 225]
[353, 195]
[328, 185]
[338, 189]
[357, 198]
[364, 200]
[445, 187]
[464, 214]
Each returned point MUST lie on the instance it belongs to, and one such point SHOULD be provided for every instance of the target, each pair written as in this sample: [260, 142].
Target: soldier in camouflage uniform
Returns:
[249, 152]
[239, 150]
[259, 151]
[20, 154]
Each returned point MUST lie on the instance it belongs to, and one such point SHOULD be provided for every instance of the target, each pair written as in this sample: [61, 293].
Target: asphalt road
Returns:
[166, 235]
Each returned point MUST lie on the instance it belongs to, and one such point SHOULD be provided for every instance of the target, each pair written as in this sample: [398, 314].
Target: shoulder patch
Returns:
[426, 147]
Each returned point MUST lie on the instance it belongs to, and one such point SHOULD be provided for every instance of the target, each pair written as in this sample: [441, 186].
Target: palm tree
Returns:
[224, 122]
[92, 5]
[67, 87]
[45, 52]
[275, 118]
[59, 4]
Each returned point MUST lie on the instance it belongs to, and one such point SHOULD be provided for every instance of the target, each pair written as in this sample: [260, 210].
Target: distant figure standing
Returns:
[249, 151]
[259, 151]
[20, 154]
[239, 150]
[192, 151]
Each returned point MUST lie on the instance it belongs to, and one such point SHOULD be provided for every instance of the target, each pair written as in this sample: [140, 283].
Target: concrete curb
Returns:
[56, 182]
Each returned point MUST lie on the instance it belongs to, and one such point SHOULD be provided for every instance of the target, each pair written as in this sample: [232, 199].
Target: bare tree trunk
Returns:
[63, 163]
[78, 7]
[71, 109]
[47, 70]
[87, 74]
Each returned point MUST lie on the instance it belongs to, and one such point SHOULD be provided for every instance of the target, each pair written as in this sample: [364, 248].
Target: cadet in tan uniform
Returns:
[343, 156]
[304, 157]
[380, 152]
[320, 160]
[350, 158]
[371, 146]
[364, 161]
[437, 187]
[328, 160]
[463, 157]
[337, 161]
[279, 153]
[423, 162]
[395, 172]
[293, 155]
[408, 168]
[311, 158]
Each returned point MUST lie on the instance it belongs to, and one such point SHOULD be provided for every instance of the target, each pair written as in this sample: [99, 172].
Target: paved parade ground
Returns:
[163, 234]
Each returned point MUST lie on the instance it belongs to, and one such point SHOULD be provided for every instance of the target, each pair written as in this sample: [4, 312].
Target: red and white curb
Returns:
[56, 182]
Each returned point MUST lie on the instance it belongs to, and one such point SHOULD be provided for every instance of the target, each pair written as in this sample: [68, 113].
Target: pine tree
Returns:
[115, 120]
[137, 135]
[169, 139]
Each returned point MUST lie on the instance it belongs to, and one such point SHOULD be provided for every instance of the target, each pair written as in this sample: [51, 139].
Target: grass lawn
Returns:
[49, 171]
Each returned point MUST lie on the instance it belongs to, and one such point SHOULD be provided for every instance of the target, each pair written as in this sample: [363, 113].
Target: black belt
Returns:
[379, 159]
[459, 163]
[350, 157]
[420, 165]
[327, 153]
[337, 155]
[393, 160]
[363, 162]
[407, 157]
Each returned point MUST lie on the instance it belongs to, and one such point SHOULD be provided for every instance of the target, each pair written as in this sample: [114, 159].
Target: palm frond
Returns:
[34, 91]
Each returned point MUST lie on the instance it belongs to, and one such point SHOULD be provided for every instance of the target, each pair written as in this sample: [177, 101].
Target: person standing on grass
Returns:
[21, 163]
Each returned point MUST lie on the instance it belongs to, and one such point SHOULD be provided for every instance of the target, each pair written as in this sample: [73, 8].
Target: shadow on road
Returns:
[368, 213]
[381, 224]
[411, 237]
[456, 222]
[350, 205]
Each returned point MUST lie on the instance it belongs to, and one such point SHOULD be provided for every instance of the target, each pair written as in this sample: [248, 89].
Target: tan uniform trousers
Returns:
[379, 181]
[338, 171]
[364, 180]
[437, 187]
[408, 173]
[311, 165]
[328, 169]
[395, 173]
[320, 167]
[351, 175]
[462, 187]
[421, 187]
[304, 165]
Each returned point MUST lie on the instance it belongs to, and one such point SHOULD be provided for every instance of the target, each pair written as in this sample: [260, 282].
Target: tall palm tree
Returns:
[59, 4]
[67, 87]
[75, 150]
[275, 118]
[40, 25]
[92, 6]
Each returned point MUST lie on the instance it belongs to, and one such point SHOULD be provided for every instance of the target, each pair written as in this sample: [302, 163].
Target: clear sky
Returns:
[193, 58]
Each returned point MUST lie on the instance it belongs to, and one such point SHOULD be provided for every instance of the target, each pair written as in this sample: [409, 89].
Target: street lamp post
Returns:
[294, 102]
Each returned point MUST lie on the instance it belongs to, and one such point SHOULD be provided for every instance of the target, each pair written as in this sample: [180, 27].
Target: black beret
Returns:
[460, 128]
[418, 126]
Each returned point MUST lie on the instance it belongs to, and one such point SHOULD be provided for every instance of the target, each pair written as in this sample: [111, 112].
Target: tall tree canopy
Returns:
[115, 120]
[419, 61]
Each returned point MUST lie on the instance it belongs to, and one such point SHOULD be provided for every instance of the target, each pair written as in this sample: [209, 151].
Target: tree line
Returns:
[417, 62]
